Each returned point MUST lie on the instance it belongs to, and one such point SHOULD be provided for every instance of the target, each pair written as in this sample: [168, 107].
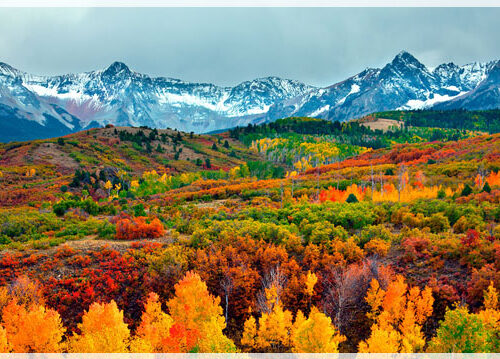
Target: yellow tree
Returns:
[490, 315]
[32, 330]
[195, 311]
[311, 280]
[108, 186]
[4, 345]
[273, 330]
[102, 331]
[154, 328]
[398, 314]
[316, 334]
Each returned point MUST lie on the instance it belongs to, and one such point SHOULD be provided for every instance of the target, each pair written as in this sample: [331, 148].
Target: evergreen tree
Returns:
[466, 191]
[486, 187]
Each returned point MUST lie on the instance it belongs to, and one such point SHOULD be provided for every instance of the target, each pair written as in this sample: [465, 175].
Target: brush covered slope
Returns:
[35, 168]
[317, 237]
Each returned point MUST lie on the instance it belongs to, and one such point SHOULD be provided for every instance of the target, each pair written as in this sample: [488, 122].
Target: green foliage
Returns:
[379, 232]
[455, 119]
[88, 205]
[466, 191]
[462, 332]
[351, 198]
[139, 210]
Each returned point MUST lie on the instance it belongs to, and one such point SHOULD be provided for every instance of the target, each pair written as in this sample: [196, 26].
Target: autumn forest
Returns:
[377, 235]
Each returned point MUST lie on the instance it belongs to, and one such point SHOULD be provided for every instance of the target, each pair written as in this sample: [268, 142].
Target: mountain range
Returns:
[34, 106]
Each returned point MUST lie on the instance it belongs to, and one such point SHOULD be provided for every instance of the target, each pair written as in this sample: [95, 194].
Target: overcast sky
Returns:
[225, 46]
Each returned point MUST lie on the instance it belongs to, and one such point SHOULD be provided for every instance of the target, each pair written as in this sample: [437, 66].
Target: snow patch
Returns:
[319, 111]
[452, 88]
[354, 89]
[421, 104]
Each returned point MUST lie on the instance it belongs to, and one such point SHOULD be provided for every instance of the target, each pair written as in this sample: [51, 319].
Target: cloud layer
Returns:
[319, 46]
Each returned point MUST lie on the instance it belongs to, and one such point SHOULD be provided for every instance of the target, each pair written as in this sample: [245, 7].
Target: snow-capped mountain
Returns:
[118, 95]
[45, 106]
[403, 84]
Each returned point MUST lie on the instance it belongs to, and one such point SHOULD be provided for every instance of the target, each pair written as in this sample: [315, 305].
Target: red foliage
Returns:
[137, 228]
[471, 238]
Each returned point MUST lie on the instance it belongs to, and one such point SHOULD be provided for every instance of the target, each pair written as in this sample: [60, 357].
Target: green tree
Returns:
[352, 198]
[461, 332]
[466, 191]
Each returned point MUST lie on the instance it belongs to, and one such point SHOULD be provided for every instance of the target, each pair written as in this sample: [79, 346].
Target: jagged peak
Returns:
[405, 57]
[116, 68]
[8, 70]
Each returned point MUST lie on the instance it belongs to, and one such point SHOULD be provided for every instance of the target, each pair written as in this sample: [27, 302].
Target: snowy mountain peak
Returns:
[404, 58]
[44, 105]
[6, 69]
[117, 68]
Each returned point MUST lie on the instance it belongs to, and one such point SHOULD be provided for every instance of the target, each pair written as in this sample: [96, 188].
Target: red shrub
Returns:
[137, 228]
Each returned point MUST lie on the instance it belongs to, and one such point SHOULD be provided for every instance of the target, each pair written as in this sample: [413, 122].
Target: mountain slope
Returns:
[120, 96]
[46, 106]
[404, 83]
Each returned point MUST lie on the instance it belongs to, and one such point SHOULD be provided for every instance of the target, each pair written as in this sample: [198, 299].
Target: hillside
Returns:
[298, 222]
[486, 121]
[53, 162]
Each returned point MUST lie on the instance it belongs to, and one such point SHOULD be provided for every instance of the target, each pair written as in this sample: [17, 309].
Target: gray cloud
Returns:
[319, 46]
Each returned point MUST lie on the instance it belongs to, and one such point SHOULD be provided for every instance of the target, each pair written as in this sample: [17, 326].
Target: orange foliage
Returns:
[34, 329]
[4, 345]
[399, 313]
[493, 179]
[155, 324]
[137, 228]
[198, 318]
[336, 195]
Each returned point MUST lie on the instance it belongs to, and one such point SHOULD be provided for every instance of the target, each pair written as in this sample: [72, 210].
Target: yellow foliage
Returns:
[134, 184]
[102, 331]
[275, 329]
[4, 345]
[155, 324]
[311, 281]
[380, 341]
[108, 185]
[34, 329]
[491, 297]
[316, 334]
[398, 313]
[249, 332]
[197, 310]
[234, 172]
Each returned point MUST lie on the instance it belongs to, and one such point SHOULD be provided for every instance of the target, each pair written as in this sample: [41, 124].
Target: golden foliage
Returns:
[311, 280]
[4, 345]
[155, 324]
[398, 313]
[316, 334]
[198, 312]
[102, 331]
[32, 330]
